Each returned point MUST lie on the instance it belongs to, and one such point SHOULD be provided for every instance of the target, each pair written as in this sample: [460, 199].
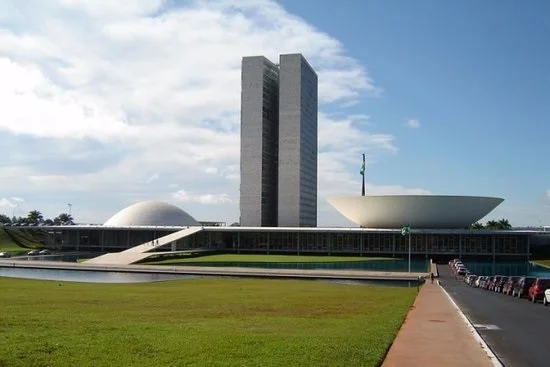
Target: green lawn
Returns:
[7, 244]
[265, 258]
[198, 322]
[543, 262]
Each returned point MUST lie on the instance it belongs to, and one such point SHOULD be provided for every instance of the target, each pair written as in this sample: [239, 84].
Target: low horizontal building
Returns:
[122, 233]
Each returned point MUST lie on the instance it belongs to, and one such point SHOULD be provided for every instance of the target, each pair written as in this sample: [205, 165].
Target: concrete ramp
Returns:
[140, 252]
[163, 241]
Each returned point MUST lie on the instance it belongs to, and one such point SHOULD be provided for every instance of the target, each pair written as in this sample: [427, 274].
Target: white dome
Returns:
[420, 211]
[151, 213]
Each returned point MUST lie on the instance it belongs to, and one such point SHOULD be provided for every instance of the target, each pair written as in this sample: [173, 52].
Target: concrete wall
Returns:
[297, 204]
[259, 142]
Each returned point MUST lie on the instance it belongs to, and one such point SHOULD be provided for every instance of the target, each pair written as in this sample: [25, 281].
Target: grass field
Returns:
[198, 322]
[7, 244]
[543, 262]
[265, 258]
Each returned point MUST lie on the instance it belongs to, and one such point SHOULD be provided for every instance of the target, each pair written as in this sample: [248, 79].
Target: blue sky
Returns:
[477, 77]
[139, 100]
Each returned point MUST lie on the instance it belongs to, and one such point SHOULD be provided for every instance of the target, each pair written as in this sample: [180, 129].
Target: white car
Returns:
[546, 297]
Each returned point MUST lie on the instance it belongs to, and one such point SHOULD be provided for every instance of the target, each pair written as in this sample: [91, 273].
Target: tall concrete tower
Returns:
[259, 142]
[278, 142]
[297, 143]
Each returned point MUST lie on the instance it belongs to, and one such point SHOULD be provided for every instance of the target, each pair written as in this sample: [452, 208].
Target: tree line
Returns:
[35, 218]
[492, 224]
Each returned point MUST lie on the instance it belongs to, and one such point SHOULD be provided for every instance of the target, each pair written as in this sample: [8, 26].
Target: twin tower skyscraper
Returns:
[278, 142]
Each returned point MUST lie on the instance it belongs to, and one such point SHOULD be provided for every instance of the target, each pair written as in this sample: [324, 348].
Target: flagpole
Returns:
[363, 174]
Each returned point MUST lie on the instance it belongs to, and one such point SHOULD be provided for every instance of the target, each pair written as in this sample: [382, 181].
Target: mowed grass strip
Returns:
[266, 258]
[198, 322]
[7, 243]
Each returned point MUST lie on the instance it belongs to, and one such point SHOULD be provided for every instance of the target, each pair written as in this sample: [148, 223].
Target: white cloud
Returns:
[186, 197]
[107, 92]
[153, 177]
[5, 203]
[413, 123]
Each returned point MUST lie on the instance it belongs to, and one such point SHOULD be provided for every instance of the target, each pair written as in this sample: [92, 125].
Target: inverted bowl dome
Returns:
[420, 211]
[151, 213]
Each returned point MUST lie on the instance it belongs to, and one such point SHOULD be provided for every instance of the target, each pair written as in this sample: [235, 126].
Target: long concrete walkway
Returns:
[141, 252]
[435, 334]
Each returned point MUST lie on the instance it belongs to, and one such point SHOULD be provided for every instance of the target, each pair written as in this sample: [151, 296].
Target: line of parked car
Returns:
[532, 288]
[6, 254]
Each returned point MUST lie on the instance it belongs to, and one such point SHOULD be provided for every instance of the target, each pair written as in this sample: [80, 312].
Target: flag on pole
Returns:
[362, 172]
[405, 230]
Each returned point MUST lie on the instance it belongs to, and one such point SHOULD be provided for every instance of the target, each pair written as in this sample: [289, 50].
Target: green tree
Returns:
[4, 219]
[504, 224]
[476, 225]
[63, 219]
[492, 224]
[34, 217]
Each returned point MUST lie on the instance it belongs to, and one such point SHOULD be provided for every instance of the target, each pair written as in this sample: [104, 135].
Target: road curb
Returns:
[492, 357]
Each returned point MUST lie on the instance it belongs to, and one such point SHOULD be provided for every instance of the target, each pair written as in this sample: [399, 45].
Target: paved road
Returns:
[517, 330]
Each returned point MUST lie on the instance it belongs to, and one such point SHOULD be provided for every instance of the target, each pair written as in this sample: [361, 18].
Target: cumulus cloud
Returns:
[6, 203]
[413, 123]
[107, 92]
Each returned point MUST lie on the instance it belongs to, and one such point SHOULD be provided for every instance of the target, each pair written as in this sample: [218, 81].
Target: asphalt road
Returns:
[516, 330]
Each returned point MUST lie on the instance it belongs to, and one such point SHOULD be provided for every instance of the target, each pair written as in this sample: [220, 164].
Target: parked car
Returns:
[33, 252]
[5, 254]
[546, 299]
[537, 289]
[493, 282]
[509, 286]
[521, 288]
[500, 284]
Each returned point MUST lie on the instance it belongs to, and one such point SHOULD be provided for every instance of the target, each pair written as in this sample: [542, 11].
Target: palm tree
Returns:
[34, 217]
[476, 225]
[63, 219]
[492, 224]
[504, 224]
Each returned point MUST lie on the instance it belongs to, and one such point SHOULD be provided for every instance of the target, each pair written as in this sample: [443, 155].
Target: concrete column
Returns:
[528, 249]
[362, 243]
[493, 240]
[77, 240]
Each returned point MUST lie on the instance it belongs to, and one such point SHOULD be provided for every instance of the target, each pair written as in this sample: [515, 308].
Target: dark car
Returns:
[509, 286]
[521, 287]
[536, 291]
[494, 281]
[499, 285]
